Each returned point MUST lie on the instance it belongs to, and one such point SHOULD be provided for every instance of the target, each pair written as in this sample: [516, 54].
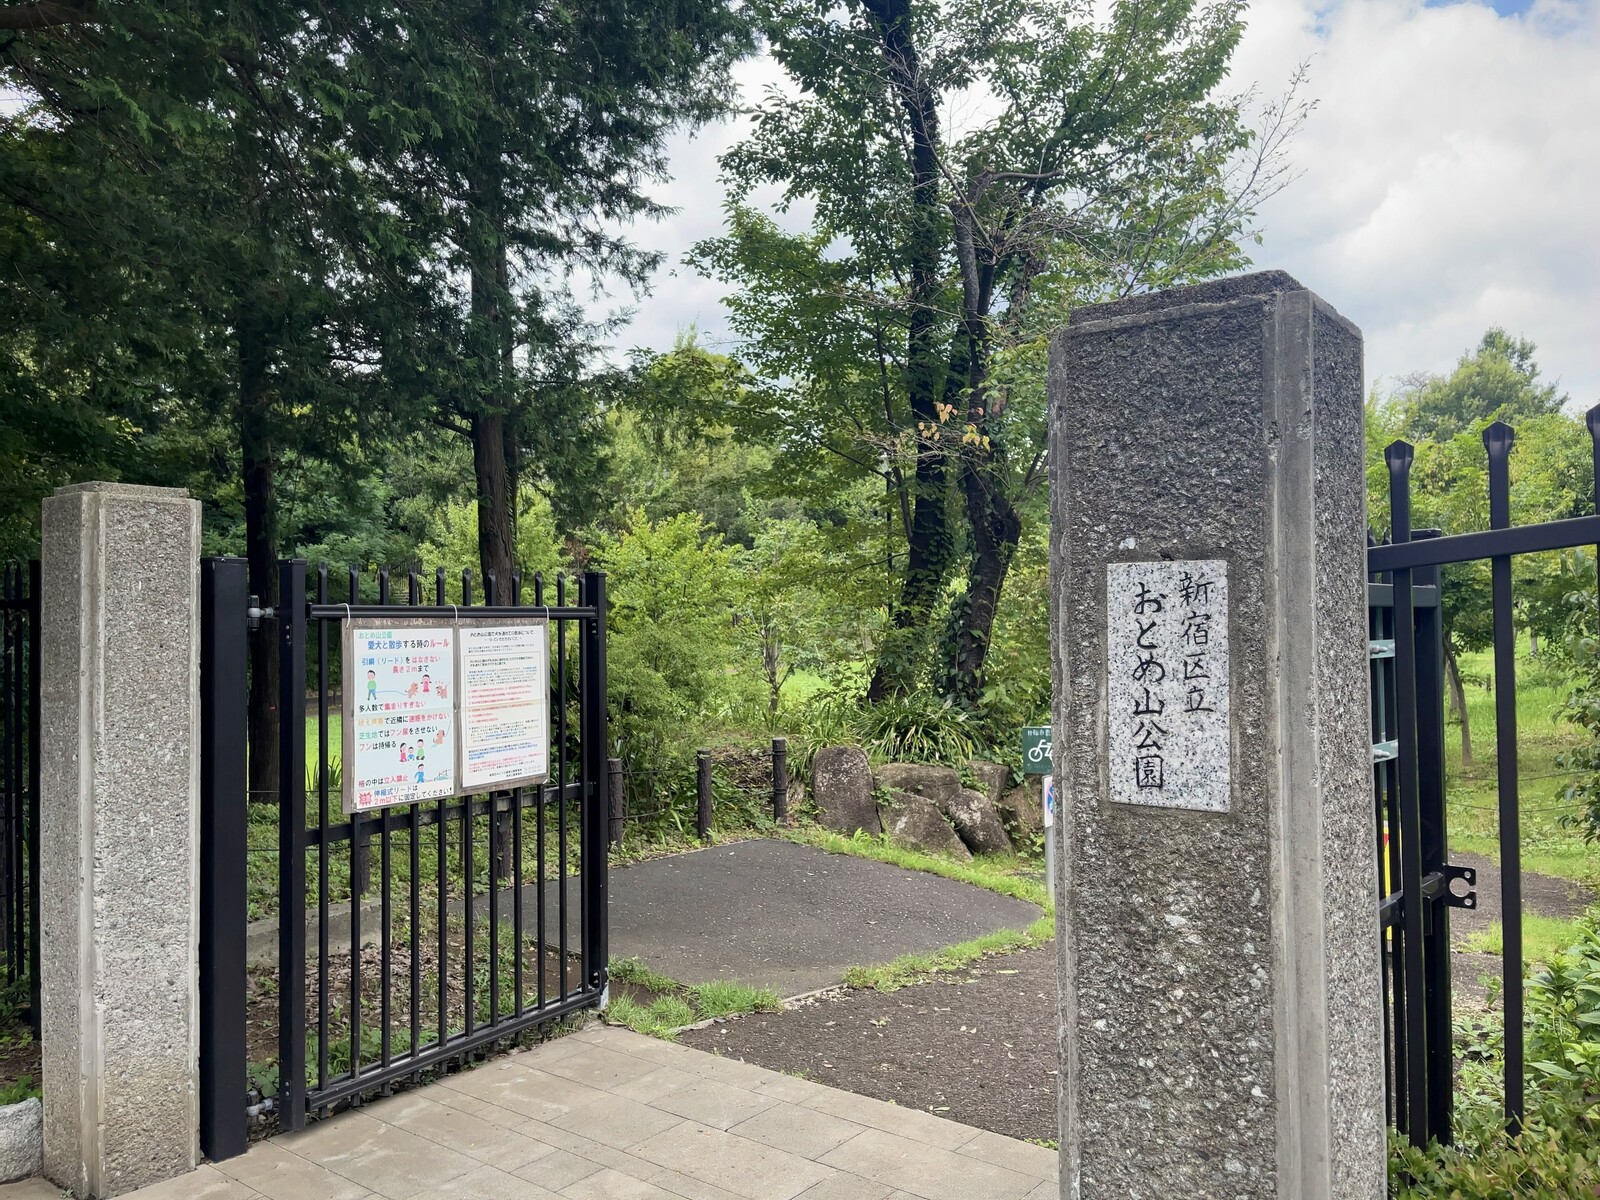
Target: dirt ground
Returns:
[978, 1047]
[1542, 895]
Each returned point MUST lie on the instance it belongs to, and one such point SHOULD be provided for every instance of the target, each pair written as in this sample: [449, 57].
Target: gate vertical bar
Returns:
[596, 803]
[1399, 457]
[35, 635]
[1434, 848]
[224, 717]
[291, 615]
[1497, 441]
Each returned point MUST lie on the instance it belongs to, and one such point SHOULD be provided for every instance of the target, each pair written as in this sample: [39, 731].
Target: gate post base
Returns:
[119, 820]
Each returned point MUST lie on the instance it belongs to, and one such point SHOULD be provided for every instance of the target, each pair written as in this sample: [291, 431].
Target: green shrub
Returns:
[1557, 1155]
[917, 727]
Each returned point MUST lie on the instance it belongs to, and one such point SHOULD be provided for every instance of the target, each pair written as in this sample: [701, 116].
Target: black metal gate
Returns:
[19, 781]
[1408, 726]
[409, 937]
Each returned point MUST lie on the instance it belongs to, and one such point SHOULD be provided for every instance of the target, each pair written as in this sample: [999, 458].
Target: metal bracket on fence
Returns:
[1384, 751]
[257, 614]
[1380, 648]
[1468, 876]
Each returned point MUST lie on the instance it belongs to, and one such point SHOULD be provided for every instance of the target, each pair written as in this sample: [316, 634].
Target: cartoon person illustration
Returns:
[427, 685]
[420, 777]
[405, 752]
[417, 753]
[372, 685]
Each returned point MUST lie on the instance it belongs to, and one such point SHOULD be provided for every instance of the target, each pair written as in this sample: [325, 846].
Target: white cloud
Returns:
[1451, 175]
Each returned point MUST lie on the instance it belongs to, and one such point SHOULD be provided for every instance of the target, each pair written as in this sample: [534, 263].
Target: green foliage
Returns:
[18, 1090]
[918, 968]
[1557, 1155]
[913, 727]
[632, 970]
[997, 873]
[1542, 937]
[722, 997]
[660, 1018]
[671, 639]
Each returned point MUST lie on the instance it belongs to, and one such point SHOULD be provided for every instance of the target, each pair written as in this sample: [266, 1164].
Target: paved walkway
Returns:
[792, 918]
[605, 1114]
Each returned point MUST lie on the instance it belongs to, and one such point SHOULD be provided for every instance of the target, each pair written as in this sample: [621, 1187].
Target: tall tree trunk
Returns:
[491, 408]
[495, 540]
[261, 547]
[928, 537]
[1458, 701]
[994, 524]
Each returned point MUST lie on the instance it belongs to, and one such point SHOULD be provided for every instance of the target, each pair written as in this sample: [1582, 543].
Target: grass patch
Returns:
[631, 970]
[657, 1005]
[660, 1018]
[1000, 873]
[1549, 846]
[918, 968]
[1542, 938]
[723, 997]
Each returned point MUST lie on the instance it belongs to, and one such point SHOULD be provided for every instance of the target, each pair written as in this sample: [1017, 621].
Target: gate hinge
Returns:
[256, 614]
[1468, 876]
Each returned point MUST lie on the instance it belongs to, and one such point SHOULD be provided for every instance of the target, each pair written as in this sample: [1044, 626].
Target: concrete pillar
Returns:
[1216, 889]
[118, 835]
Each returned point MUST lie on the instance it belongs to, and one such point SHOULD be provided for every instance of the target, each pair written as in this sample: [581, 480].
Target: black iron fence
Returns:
[19, 780]
[751, 780]
[1409, 782]
[489, 910]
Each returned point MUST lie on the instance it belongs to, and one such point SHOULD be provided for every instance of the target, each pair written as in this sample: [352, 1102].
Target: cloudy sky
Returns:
[1450, 180]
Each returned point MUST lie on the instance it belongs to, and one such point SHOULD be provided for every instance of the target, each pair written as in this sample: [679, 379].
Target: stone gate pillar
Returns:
[118, 826]
[1217, 902]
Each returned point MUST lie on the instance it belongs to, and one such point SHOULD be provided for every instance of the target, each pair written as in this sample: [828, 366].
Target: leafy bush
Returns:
[918, 727]
[673, 592]
[1557, 1155]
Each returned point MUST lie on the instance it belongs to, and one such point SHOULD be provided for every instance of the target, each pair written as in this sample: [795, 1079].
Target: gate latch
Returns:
[1468, 876]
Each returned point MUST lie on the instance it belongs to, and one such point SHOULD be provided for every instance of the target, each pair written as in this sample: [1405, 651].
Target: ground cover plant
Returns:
[651, 1003]
[1557, 1155]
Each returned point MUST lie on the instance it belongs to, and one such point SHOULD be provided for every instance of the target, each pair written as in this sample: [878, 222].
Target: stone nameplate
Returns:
[1167, 683]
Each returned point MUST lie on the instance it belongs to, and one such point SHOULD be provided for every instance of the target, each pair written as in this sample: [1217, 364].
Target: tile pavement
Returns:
[606, 1114]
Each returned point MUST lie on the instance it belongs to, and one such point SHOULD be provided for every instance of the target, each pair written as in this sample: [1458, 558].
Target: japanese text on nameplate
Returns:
[1167, 683]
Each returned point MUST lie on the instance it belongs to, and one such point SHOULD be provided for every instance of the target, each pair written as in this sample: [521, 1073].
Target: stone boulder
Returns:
[1022, 809]
[939, 784]
[918, 822]
[841, 786]
[21, 1140]
[977, 823]
[992, 775]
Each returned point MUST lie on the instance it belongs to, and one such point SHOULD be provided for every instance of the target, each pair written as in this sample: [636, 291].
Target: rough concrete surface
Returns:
[1219, 973]
[791, 918]
[119, 819]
